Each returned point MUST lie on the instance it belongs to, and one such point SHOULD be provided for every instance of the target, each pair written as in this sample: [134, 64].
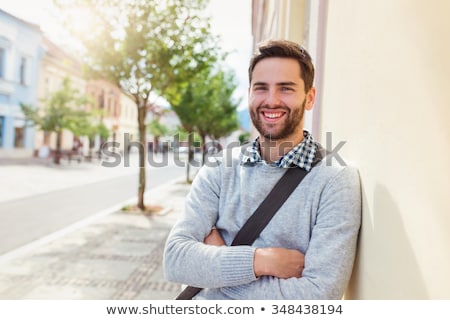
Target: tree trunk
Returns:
[190, 156]
[142, 112]
[156, 144]
[47, 138]
[91, 147]
[57, 156]
[203, 137]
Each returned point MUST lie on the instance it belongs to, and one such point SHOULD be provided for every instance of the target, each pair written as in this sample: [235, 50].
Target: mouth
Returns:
[272, 116]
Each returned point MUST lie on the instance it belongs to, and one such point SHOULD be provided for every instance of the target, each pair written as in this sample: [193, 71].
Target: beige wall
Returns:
[265, 19]
[386, 92]
[278, 19]
[293, 11]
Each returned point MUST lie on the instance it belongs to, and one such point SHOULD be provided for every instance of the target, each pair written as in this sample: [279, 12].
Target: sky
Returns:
[231, 19]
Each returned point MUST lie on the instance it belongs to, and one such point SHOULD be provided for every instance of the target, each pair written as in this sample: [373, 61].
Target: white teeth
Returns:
[273, 115]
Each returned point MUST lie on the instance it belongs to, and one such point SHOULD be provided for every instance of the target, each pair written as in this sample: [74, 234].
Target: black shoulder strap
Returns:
[270, 205]
[250, 231]
[264, 213]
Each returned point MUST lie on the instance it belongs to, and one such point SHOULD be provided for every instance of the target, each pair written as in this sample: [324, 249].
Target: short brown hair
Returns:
[285, 49]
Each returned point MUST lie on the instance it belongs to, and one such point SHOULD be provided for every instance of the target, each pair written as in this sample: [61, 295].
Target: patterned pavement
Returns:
[117, 256]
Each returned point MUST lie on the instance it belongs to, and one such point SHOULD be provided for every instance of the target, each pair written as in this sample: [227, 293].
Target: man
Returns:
[308, 248]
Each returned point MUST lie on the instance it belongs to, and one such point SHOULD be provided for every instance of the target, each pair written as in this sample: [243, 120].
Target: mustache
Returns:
[274, 107]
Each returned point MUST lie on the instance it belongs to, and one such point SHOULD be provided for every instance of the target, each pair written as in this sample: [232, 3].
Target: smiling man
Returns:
[278, 97]
[307, 250]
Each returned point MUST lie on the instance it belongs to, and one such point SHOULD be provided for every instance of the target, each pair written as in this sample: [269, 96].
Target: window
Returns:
[19, 132]
[23, 70]
[2, 62]
[101, 100]
[18, 137]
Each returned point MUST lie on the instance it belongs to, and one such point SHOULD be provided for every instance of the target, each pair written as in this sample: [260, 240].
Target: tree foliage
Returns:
[91, 127]
[145, 47]
[158, 129]
[62, 110]
[206, 104]
[220, 115]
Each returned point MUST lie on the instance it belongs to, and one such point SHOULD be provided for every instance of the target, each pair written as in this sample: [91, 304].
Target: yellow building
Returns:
[110, 104]
[382, 79]
[55, 66]
[128, 123]
[118, 111]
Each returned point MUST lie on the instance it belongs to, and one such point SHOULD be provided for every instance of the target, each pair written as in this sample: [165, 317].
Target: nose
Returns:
[273, 98]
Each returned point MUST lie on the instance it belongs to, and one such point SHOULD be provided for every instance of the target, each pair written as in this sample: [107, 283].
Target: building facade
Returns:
[55, 66]
[383, 73]
[106, 106]
[32, 68]
[20, 56]
[127, 129]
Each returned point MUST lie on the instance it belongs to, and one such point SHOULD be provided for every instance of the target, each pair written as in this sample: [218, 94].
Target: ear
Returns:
[310, 98]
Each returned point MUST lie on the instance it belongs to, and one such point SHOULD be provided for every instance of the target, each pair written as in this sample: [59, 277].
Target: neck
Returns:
[272, 150]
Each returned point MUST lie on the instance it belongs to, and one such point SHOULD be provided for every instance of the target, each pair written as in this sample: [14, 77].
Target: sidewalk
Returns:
[32, 176]
[117, 256]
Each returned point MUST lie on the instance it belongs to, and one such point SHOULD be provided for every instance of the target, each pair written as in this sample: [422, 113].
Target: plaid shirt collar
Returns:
[302, 155]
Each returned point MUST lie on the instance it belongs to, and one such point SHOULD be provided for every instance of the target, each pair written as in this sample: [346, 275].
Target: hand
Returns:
[279, 262]
[214, 238]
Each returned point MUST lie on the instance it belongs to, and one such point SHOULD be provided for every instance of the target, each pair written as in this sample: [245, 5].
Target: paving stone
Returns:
[69, 292]
[99, 269]
[156, 294]
[124, 248]
[116, 257]
[26, 266]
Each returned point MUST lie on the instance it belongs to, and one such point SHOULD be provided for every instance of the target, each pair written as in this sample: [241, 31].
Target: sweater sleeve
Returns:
[187, 259]
[330, 255]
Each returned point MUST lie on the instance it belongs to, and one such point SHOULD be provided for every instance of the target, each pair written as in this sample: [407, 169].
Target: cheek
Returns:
[253, 101]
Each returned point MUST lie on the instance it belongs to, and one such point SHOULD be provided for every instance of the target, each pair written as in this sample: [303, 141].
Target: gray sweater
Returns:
[321, 218]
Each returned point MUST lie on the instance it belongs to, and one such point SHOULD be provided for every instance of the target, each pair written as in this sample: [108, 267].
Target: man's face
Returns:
[277, 99]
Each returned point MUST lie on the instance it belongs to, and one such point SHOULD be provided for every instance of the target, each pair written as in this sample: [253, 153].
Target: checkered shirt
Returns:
[302, 155]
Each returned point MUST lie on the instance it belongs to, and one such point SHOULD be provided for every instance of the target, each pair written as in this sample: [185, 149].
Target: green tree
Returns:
[91, 127]
[244, 137]
[63, 110]
[221, 117]
[183, 103]
[206, 104]
[187, 134]
[145, 47]
[158, 130]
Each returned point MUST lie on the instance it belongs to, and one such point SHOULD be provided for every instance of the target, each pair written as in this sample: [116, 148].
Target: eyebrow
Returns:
[280, 84]
[287, 83]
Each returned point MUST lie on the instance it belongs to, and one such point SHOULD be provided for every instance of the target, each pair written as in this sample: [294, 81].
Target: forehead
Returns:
[277, 69]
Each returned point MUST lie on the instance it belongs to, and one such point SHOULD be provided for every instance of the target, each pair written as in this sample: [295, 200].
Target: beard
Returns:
[269, 131]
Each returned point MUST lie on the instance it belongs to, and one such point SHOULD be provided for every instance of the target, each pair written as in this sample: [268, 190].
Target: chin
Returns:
[272, 136]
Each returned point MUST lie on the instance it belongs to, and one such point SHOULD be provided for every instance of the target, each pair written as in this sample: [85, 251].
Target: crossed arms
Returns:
[292, 259]
[278, 262]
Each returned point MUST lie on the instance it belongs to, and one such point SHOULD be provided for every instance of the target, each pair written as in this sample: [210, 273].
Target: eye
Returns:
[287, 89]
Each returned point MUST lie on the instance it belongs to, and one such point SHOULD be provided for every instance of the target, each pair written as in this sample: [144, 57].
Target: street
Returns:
[29, 218]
